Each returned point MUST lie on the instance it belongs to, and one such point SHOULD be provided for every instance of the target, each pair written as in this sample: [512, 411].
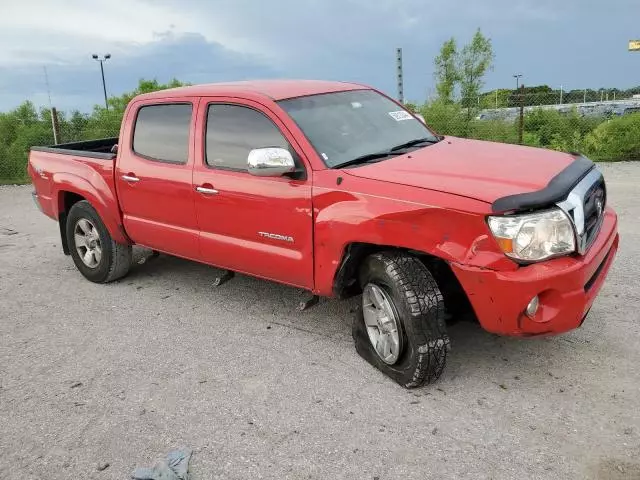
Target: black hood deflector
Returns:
[556, 191]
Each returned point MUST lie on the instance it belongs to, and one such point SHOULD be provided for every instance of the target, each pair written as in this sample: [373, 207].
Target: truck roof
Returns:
[274, 89]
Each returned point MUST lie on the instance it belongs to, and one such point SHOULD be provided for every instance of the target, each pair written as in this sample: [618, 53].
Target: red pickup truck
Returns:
[337, 189]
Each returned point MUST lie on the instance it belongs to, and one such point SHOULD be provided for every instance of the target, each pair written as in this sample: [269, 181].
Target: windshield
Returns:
[344, 126]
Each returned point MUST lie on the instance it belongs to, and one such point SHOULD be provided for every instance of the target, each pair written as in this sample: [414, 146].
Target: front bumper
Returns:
[566, 286]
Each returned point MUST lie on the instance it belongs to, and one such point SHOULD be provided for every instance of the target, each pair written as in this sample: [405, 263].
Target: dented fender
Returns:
[445, 226]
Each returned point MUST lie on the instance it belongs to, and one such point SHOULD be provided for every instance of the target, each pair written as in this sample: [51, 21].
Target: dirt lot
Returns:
[122, 373]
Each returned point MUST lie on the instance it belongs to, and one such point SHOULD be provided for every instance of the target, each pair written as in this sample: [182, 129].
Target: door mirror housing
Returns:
[270, 162]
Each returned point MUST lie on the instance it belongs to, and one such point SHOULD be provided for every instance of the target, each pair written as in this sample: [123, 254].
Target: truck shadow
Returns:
[475, 352]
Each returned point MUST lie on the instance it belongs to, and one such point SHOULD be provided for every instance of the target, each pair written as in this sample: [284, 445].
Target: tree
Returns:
[475, 59]
[119, 104]
[446, 71]
[24, 127]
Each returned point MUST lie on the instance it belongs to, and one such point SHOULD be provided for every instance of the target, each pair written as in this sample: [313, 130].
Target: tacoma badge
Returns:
[275, 236]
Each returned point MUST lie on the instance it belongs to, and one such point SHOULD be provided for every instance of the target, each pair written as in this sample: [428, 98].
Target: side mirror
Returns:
[420, 117]
[270, 162]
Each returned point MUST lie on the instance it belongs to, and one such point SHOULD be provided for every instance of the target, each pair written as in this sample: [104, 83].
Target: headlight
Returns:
[535, 236]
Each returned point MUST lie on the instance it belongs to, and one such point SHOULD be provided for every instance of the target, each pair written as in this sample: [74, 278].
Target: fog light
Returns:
[532, 308]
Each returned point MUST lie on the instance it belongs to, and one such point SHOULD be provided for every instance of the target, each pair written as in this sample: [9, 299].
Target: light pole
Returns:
[517, 77]
[104, 86]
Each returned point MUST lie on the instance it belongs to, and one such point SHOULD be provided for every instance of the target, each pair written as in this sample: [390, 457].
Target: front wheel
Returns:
[98, 257]
[401, 328]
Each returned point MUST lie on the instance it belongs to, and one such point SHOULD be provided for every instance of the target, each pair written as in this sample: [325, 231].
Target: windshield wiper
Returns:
[413, 143]
[366, 158]
[388, 153]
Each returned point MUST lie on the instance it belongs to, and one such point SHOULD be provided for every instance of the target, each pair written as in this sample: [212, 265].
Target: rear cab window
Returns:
[161, 132]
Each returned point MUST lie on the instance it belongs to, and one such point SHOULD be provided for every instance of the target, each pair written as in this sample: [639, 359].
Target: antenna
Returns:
[54, 114]
[46, 79]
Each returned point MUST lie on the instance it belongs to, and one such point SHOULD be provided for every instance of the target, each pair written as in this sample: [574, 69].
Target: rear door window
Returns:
[162, 132]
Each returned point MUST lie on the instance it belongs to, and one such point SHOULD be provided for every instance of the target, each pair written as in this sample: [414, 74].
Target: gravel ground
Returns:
[121, 373]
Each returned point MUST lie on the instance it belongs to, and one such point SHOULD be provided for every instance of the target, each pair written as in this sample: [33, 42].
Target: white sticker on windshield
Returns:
[324, 155]
[400, 115]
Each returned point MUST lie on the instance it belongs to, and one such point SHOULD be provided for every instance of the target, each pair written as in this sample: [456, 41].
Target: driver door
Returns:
[257, 225]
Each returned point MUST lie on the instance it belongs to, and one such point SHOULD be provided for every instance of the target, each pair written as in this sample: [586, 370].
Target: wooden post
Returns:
[521, 122]
[55, 125]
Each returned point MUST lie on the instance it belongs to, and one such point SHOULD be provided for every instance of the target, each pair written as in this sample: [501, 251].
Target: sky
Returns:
[574, 43]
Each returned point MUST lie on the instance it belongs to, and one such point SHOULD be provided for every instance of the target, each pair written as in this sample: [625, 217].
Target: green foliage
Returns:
[559, 131]
[496, 99]
[494, 130]
[19, 130]
[475, 59]
[411, 106]
[24, 127]
[615, 139]
[444, 118]
[601, 140]
[446, 71]
[464, 69]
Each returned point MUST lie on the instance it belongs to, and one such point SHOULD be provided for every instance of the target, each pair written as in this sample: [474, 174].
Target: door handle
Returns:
[130, 178]
[207, 190]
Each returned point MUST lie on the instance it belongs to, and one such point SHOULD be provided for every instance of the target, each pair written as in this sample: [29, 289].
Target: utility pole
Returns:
[561, 94]
[399, 75]
[104, 85]
[521, 119]
[585, 96]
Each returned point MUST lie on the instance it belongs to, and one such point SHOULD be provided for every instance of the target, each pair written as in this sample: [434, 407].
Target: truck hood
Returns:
[476, 169]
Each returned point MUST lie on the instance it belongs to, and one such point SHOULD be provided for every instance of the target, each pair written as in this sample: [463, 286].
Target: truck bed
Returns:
[84, 169]
[102, 148]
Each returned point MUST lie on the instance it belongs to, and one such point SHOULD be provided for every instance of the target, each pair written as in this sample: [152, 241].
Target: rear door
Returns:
[154, 176]
[257, 225]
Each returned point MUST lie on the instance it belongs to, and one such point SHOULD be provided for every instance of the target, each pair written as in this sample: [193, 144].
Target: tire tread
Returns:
[424, 305]
[118, 255]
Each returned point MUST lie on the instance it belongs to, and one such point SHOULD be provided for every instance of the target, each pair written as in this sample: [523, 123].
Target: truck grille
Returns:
[585, 206]
[594, 203]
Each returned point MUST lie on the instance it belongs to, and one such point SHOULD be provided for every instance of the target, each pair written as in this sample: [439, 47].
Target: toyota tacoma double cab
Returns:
[337, 189]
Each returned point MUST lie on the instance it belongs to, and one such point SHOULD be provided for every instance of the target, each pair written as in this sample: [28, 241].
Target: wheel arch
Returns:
[66, 200]
[69, 193]
[346, 282]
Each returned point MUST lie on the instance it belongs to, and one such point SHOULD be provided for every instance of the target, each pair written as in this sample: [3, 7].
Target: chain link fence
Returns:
[602, 129]
[607, 130]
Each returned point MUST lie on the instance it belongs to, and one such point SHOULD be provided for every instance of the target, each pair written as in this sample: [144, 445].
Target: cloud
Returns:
[576, 43]
[188, 57]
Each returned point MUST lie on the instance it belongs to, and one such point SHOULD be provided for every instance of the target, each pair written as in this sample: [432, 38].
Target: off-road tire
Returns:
[421, 311]
[116, 257]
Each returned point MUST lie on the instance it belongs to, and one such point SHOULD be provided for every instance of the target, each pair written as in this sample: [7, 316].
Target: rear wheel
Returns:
[401, 328]
[98, 257]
